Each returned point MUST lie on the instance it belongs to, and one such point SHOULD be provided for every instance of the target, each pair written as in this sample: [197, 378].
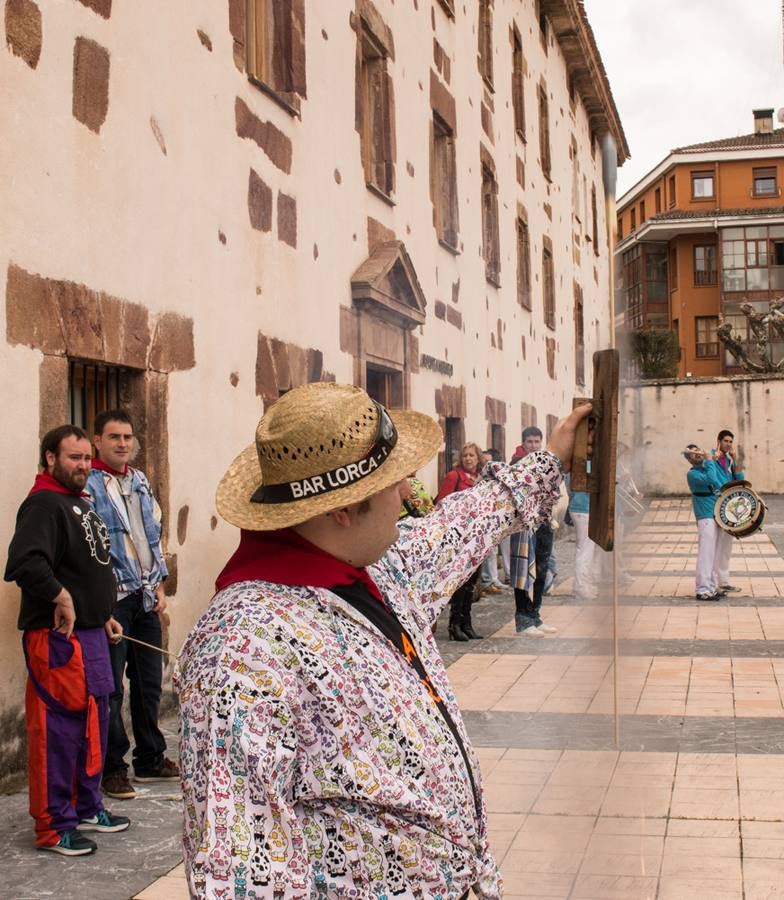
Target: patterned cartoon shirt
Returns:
[315, 763]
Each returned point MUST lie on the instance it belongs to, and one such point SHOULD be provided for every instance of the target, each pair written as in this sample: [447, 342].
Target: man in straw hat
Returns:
[322, 749]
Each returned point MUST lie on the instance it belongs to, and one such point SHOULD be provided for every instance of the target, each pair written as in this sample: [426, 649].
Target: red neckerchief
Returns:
[44, 481]
[101, 465]
[284, 557]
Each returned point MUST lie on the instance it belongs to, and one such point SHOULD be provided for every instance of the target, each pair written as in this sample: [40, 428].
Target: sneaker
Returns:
[105, 822]
[166, 771]
[532, 631]
[492, 589]
[546, 629]
[117, 785]
[72, 843]
[714, 596]
[728, 589]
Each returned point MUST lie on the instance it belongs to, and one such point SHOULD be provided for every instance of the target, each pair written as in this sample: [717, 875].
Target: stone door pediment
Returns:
[387, 286]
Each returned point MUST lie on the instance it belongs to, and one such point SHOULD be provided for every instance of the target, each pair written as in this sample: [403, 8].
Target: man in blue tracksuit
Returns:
[724, 464]
[704, 484]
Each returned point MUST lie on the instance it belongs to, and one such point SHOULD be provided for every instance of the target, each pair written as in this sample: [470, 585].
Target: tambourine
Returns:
[739, 509]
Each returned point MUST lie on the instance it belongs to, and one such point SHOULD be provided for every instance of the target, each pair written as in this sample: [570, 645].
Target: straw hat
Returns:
[321, 447]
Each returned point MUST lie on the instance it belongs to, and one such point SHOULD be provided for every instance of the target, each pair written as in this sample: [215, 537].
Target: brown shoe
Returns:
[166, 771]
[117, 785]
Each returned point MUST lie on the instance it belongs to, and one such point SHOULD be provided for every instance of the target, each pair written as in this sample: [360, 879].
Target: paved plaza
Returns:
[691, 803]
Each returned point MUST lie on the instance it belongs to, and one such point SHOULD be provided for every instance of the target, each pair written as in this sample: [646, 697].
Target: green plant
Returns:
[655, 351]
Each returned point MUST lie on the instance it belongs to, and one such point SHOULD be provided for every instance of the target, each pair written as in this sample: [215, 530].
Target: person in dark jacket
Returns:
[59, 557]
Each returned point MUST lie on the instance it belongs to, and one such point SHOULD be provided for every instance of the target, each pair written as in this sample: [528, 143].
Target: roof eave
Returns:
[575, 37]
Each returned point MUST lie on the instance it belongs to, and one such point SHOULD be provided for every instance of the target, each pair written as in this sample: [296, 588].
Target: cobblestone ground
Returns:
[691, 803]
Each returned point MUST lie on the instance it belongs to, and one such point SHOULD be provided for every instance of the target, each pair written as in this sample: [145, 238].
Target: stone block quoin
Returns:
[65, 318]
[23, 31]
[90, 83]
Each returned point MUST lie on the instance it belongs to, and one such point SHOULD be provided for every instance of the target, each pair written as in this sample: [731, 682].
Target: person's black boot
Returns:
[466, 624]
[456, 632]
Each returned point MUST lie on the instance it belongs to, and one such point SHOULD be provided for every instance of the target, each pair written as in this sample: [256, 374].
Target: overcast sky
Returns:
[685, 71]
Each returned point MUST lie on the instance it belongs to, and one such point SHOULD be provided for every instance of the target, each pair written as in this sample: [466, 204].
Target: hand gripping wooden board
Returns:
[603, 422]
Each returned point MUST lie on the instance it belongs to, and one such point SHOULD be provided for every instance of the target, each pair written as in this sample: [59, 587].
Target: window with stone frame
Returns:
[576, 210]
[544, 28]
[632, 219]
[375, 110]
[527, 415]
[544, 130]
[548, 284]
[384, 385]
[491, 244]
[518, 81]
[579, 336]
[276, 48]
[657, 200]
[93, 388]
[523, 263]
[707, 340]
[485, 31]
[671, 191]
[454, 438]
[706, 270]
[498, 440]
[449, 7]
[595, 222]
[445, 183]
[643, 217]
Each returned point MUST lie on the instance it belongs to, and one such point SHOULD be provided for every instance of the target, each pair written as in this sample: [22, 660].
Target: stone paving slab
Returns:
[124, 864]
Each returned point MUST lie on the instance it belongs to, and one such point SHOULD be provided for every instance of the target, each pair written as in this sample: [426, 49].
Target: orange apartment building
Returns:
[698, 236]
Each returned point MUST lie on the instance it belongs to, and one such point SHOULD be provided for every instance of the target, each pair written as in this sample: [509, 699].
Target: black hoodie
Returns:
[60, 542]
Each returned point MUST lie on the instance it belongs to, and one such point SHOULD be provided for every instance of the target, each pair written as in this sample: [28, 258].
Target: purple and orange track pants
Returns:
[67, 708]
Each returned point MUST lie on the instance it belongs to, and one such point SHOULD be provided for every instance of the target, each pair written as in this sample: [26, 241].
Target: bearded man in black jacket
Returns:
[59, 557]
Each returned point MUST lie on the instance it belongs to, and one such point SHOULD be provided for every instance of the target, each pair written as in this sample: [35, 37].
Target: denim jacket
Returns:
[104, 489]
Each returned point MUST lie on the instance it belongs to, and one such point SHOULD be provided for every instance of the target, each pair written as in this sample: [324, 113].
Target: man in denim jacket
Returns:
[124, 500]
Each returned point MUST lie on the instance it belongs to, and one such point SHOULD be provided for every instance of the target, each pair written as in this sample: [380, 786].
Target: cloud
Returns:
[684, 71]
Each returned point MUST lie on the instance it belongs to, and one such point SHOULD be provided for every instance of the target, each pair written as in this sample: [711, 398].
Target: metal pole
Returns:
[609, 174]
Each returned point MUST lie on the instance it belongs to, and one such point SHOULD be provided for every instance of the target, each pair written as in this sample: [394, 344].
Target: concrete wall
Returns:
[658, 420]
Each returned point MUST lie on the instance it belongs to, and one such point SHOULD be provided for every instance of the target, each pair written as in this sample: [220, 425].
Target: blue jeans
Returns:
[527, 608]
[144, 668]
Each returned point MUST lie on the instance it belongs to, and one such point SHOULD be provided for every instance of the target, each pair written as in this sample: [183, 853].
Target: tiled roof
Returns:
[675, 214]
[742, 142]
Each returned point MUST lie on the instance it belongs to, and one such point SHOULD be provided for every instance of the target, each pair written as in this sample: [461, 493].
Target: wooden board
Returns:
[600, 481]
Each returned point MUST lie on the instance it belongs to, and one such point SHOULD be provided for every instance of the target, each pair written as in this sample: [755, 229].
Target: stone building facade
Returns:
[206, 204]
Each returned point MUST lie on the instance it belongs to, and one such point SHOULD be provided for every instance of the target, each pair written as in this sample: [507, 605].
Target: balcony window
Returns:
[705, 268]
[707, 342]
